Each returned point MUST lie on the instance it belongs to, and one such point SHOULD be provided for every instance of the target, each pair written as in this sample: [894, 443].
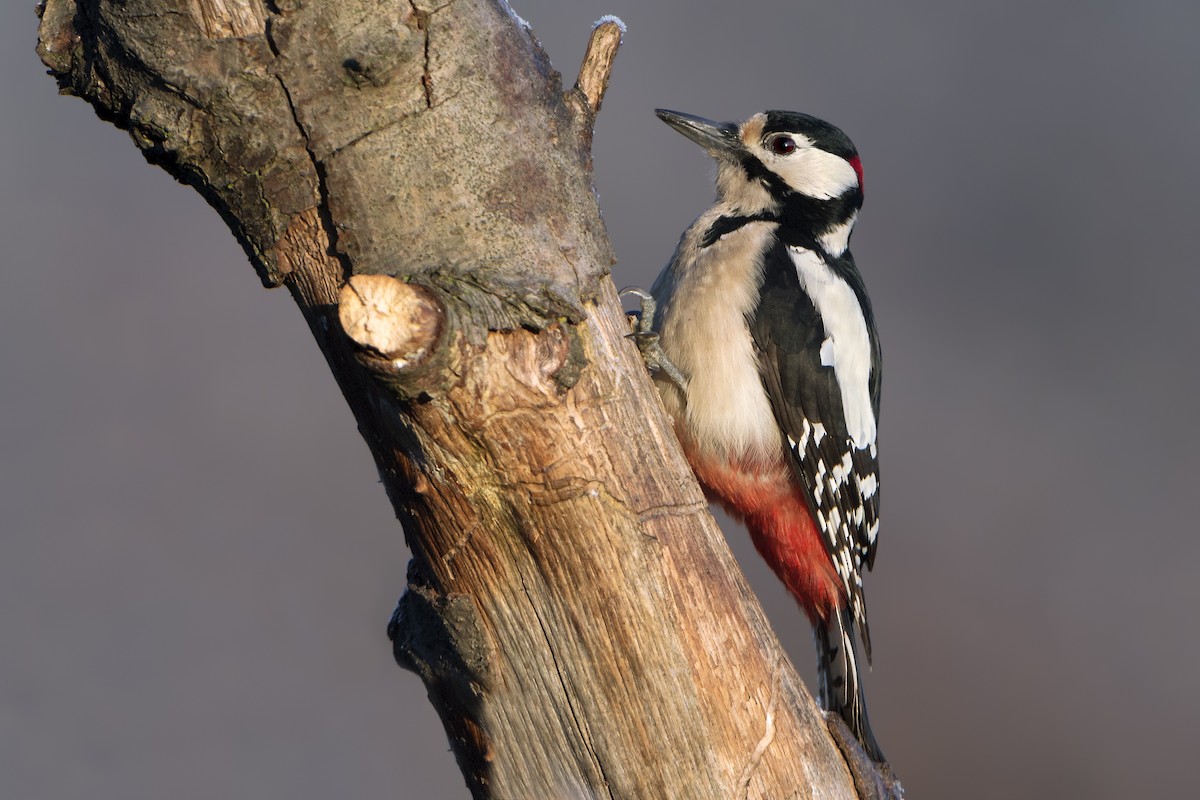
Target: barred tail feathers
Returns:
[838, 677]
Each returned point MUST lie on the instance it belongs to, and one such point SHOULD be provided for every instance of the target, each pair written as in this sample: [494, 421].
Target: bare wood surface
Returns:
[398, 320]
[571, 606]
[598, 61]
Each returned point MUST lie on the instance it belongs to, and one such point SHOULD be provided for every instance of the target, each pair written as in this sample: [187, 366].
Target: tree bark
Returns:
[416, 176]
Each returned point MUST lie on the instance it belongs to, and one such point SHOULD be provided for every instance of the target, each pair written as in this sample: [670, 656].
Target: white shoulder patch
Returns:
[847, 346]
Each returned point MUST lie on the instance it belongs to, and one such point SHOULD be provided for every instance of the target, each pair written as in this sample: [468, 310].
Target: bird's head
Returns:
[781, 162]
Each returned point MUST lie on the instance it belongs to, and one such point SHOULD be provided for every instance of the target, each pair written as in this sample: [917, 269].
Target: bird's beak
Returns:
[719, 139]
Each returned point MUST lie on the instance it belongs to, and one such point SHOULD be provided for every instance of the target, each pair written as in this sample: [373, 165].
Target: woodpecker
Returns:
[771, 369]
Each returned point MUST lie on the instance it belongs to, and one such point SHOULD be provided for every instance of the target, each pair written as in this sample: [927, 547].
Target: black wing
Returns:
[842, 481]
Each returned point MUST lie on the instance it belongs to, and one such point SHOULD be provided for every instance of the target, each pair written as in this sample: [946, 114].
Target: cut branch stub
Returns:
[399, 321]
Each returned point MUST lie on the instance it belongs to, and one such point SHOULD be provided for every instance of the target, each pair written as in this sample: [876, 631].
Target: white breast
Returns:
[705, 298]
[847, 346]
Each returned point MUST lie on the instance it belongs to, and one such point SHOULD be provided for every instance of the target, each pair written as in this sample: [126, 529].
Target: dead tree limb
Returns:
[415, 175]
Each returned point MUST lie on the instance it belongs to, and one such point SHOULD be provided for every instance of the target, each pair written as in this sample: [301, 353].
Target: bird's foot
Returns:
[872, 780]
[647, 340]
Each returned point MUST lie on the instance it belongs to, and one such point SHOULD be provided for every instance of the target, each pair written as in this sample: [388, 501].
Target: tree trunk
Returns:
[418, 179]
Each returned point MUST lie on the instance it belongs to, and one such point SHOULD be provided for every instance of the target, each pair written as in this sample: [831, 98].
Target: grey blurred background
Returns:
[197, 562]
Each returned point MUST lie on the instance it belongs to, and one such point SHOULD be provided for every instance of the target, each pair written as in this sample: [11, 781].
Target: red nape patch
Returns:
[771, 504]
[856, 162]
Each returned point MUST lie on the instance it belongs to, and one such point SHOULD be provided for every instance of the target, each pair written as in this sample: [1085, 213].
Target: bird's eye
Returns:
[783, 145]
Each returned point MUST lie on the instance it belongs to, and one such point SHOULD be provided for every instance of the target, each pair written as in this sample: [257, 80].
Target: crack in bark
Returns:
[424, 21]
[768, 735]
[368, 134]
[323, 210]
[545, 495]
[423, 18]
[670, 510]
[454, 549]
[445, 98]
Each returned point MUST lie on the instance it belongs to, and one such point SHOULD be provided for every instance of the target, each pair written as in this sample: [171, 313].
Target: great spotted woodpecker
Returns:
[771, 370]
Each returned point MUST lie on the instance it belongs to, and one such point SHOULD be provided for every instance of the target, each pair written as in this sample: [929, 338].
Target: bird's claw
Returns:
[647, 340]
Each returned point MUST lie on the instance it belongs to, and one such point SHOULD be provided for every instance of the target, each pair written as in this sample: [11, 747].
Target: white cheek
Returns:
[816, 173]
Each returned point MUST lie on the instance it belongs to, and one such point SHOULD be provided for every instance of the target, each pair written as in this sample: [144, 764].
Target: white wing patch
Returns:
[847, 341]
[827, 353]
